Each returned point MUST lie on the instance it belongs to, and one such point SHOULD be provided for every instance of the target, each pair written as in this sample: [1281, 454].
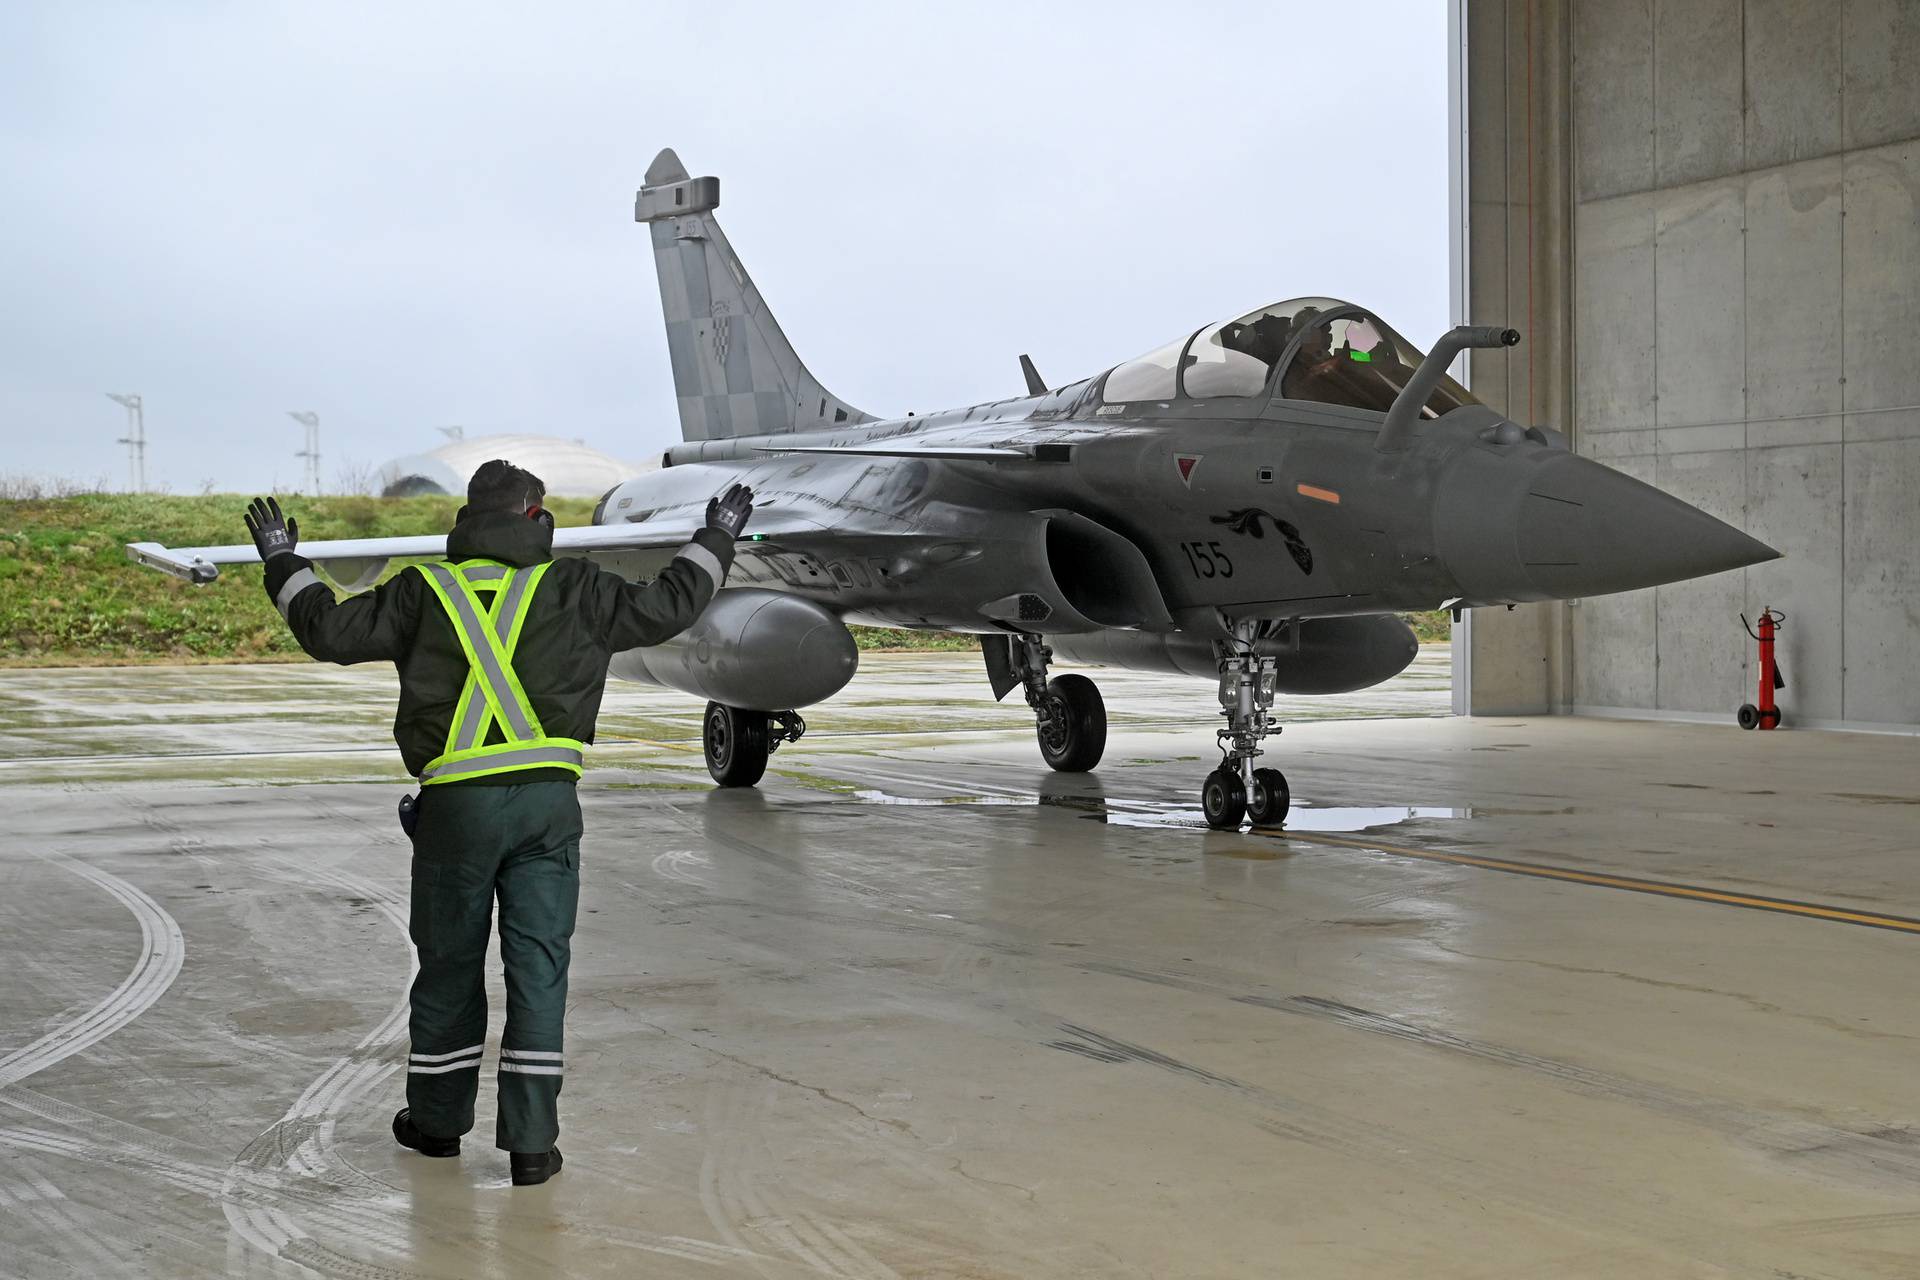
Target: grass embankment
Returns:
[69, 595]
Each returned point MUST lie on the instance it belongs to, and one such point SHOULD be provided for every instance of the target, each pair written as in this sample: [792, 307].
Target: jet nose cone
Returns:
[1586, 530]
[1566, 526]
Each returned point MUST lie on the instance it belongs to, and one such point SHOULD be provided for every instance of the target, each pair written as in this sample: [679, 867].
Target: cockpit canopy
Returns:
[1314, 349]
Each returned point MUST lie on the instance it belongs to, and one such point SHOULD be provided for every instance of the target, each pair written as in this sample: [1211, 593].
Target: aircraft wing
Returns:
[909, 450]
[346, 559]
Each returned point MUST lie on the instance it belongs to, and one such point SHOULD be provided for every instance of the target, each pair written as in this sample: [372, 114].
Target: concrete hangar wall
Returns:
[1704, 215]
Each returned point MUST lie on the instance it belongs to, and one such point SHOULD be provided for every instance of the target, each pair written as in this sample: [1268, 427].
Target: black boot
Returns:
[407, 1135]
[532, 1170]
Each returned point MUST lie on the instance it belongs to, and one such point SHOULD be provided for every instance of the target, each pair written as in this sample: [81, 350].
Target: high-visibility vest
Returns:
[493, 694]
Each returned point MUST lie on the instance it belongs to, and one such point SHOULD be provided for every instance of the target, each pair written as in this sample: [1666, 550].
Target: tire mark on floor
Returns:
[162, 951]
[295, 1154]
[1474, 1177]
[737, 1200]
[1885, 1157]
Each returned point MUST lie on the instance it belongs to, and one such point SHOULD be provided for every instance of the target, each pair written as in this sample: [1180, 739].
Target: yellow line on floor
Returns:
[1632, 884]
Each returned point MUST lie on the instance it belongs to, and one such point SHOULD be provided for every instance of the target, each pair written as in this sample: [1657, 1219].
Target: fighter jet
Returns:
[1253, 503]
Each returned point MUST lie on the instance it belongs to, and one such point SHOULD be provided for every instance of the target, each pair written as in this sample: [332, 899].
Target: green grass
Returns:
[69, 595]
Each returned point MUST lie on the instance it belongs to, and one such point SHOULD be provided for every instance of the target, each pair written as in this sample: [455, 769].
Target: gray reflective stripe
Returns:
[516, 592]
[506, 760]
[292, 587]
[476, 705]
[472, 712]
[470, 1064]
[525, 1069]
[470, 715]
[542, 1055]
[468, 1052]
[708, 561]
[485, 573]
[489, 666]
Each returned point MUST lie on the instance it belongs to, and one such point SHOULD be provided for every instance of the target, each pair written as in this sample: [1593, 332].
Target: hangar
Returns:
[1702, 213]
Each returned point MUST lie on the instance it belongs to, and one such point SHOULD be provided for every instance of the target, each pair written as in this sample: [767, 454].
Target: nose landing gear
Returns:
[1236, 790]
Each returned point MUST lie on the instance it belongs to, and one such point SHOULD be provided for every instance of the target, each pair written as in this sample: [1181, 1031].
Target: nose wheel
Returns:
[1268, 799]
[1236, 791]
[1223, 799]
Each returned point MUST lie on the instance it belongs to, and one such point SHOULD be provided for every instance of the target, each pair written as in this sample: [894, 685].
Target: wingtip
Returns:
[666, 167]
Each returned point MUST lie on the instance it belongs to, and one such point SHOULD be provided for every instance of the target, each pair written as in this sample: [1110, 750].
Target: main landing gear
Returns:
[1237, 791]
[1070, 717]
[737, 742]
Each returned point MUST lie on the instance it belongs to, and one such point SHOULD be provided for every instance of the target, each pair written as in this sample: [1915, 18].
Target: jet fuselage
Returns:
[1172, 516]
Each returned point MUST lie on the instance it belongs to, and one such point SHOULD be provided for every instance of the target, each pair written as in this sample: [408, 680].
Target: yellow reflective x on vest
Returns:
[493, 695]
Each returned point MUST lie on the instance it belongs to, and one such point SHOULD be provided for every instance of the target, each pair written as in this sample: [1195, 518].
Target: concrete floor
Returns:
[918, 1008]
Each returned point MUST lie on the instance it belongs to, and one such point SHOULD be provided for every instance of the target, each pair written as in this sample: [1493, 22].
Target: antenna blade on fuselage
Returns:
[1036, 385]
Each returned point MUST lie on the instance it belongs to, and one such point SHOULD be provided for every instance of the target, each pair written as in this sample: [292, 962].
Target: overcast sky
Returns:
[404, 216]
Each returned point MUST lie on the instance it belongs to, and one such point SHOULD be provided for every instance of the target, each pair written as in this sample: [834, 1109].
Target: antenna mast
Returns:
[135, 439]
[311, 421]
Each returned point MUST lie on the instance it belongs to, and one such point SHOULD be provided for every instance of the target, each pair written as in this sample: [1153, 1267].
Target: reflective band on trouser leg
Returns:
[532, 1062]
[488, 637]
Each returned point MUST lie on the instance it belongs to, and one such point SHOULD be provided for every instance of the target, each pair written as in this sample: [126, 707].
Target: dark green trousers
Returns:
[518, 844]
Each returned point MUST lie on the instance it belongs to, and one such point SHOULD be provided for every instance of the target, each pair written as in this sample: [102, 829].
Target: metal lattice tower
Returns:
[135, 439]
[311, 421]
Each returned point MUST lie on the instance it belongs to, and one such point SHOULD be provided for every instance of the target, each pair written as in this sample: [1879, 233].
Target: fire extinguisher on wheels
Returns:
[1765, 715]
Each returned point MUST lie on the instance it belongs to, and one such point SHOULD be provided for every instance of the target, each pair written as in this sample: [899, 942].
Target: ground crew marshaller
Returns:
[502, 652]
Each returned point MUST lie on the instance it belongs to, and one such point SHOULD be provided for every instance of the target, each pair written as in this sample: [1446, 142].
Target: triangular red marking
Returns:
[1186, 461]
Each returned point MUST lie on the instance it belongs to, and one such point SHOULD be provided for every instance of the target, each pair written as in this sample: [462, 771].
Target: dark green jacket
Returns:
[580, 617]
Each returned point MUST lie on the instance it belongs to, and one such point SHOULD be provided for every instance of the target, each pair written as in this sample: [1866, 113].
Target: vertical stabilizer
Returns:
[734, 371]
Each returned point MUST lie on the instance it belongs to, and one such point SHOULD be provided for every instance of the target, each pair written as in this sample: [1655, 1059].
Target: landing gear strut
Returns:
[737, 742]
[1070, 716]
[1237, 790]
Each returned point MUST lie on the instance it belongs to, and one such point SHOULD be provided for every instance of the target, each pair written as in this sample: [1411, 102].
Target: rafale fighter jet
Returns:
[1251, 503]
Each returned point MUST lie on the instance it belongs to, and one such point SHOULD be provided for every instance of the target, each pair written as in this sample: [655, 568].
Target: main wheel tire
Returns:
[735, 742]
[1770, 718]
[1074, 736]
[1269, 798]
[1223, 799]
[1748, 716]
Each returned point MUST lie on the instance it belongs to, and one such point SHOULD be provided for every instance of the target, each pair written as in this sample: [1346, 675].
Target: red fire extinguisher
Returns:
[1766, 715]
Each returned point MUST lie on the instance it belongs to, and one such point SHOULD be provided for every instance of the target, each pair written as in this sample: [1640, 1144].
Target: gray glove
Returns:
[729, 512]
[273, 534]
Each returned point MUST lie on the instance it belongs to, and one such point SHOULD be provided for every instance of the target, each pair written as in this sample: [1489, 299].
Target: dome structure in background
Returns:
[569, 468]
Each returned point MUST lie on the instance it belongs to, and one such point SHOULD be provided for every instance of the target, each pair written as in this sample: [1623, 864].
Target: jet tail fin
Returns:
[734, 372]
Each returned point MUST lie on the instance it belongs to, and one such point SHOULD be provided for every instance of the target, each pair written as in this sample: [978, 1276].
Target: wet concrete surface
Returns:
[918, 1007]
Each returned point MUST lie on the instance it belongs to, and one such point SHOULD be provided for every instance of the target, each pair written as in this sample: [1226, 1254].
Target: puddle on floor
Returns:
[872, 796]
[1146, 813]
[1300, 818]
